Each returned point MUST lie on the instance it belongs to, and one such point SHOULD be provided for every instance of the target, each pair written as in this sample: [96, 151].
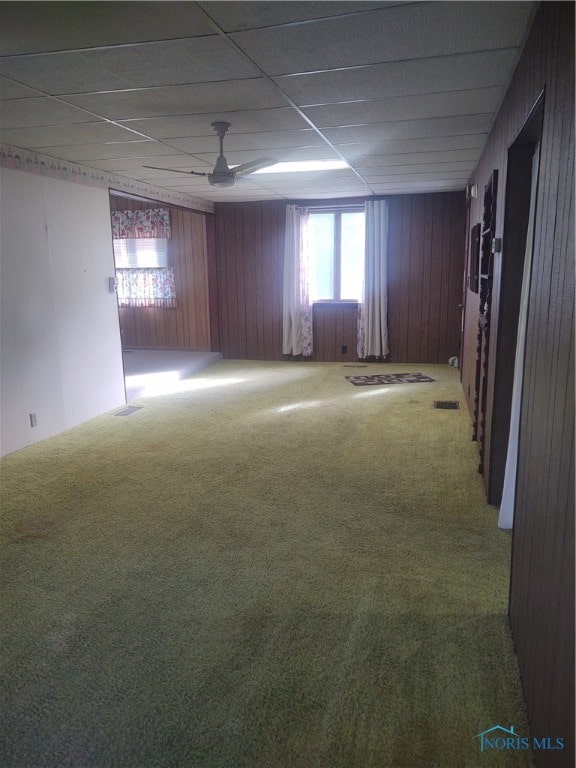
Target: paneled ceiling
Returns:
[404, 92]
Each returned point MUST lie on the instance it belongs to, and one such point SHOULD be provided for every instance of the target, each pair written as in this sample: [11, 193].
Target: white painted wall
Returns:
[60, 340]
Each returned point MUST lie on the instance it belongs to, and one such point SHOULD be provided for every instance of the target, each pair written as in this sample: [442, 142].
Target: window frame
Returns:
[337, 211]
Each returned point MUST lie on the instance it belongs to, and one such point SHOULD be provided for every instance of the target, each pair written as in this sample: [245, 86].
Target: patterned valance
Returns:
[131, 225]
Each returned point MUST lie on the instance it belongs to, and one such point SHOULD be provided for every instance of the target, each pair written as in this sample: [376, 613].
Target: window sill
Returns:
[335, 303]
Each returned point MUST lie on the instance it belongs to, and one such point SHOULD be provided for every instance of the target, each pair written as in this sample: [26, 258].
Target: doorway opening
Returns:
[519, 217]
[160, 259]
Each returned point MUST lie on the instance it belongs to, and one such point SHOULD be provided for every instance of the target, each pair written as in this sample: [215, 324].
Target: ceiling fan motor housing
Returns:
[221, 179]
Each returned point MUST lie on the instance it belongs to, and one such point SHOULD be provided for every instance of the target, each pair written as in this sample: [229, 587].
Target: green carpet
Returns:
[266, 569]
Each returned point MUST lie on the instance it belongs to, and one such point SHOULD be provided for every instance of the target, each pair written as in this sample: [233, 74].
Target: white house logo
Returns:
[499, 737]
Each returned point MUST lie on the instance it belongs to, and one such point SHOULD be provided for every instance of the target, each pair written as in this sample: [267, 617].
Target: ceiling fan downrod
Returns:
[221, 176]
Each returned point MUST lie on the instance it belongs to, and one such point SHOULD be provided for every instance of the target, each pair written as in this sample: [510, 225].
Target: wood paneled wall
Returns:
[425, 268]
[542, 574]
[187, 326]
[250, 254]
[335, 328]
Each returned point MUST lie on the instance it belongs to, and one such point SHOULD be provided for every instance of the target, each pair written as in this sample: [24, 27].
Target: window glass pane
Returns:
[352, 256]
[141, 253]
[321, 242]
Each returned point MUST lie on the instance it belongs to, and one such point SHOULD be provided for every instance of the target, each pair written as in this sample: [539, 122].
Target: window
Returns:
[142, 252]
[336, 243]
[142, 271]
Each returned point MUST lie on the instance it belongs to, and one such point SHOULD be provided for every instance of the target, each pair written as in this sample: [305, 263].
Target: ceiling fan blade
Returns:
[174, 170]
[252, 166]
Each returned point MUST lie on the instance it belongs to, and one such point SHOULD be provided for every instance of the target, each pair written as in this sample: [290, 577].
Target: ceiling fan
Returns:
[222, 175]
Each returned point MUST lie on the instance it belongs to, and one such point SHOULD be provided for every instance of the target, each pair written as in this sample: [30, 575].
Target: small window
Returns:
[336, 246]
[141, 252]
[142, 272]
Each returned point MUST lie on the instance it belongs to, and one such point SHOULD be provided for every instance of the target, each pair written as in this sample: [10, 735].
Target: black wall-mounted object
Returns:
[474, 257]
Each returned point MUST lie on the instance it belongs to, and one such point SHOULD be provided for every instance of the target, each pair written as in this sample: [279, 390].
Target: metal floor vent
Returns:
[129, 410]
[447, 405]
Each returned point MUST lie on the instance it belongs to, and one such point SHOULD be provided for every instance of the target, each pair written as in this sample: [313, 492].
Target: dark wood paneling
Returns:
[335, 331]
[542, 574]
[213, 302]
[425, 267]
[188, 325]
[250, 254]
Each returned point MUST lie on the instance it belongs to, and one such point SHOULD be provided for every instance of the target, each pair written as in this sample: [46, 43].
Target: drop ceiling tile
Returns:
[11, 90]
[407, 31]
[359, 151]
[61, 135]
[87, 152]
[232, 16]
[182, 99]
[416, 76]
[244, 141]
[239, 189]
[411, 129]
[27, 113]
[174, 62]
[197, 183]
[160, 174]
[417, 187]
[55, 26]
[127, 165]
[453, 176]
[284, 154]
[222, 196]
[342, 175]
[476, 102]
[416, 158]
[242, 121]
[394, 170]
[320, 152]
[204, 186]
[294, 186]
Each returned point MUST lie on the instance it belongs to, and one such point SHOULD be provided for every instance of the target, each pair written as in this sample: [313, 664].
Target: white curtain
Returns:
[297, 312]
[373, 324]
[506, 516]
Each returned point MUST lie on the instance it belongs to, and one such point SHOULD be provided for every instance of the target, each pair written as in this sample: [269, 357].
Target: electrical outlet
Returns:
[33, 420]
[344, 349]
